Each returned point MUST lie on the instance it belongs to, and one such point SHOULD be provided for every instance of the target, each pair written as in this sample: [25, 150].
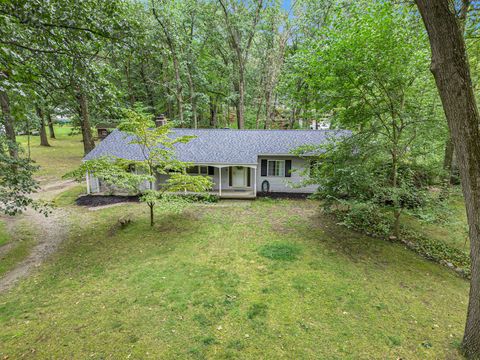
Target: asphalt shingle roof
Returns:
[220, 146]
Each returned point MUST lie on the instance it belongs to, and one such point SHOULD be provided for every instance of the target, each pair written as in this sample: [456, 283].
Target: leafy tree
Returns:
[17, 183]
[158, 150]
[241, 20]
[371, 76]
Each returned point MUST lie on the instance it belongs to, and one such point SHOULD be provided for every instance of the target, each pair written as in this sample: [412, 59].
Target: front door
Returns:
[239, 177]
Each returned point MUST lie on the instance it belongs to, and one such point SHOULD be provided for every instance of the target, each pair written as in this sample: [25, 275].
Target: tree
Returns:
[166, 18]
[158, 151]
[370, 76]
[43, 131]
[16, 181]
[451, 71]
[241, 23]
[59, 46]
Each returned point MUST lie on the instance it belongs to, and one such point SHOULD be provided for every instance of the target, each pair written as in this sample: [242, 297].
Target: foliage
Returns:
[158, 150]
[372, 78]
[201, 197]
[438, 251]
[17, 184]
[366, 217]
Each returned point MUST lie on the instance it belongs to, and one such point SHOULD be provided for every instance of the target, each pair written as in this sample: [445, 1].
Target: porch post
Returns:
[88, 183]
[219, 181]
[255, 181]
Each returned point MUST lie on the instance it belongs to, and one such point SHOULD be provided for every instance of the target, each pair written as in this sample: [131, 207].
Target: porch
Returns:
[230, 181]
[236, 194]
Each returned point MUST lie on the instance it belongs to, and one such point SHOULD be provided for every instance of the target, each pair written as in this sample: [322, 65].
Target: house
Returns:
[242, 163]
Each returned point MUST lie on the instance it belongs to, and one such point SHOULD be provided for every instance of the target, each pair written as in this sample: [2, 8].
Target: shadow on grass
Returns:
[93, 250]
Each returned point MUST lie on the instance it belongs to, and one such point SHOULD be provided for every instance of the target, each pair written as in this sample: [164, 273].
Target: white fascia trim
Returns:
[218, 165]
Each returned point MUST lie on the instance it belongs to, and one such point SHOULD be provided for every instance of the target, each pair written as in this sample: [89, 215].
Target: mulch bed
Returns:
[102, 200]
[283, 195]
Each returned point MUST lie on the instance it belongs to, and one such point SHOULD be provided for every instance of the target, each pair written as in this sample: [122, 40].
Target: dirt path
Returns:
[50, 232]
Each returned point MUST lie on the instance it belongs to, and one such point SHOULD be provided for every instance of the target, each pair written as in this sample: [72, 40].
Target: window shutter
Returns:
[230, 176]
[211, 170]
[248, 177]
[264, 167]
[288, 168]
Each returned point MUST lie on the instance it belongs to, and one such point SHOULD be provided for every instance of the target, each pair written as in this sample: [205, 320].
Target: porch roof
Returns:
[220, 146]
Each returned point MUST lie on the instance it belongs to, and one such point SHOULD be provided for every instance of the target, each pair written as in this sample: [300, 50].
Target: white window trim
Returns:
[268, 168]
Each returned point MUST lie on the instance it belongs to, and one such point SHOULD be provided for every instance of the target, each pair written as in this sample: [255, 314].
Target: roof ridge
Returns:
[287, 130]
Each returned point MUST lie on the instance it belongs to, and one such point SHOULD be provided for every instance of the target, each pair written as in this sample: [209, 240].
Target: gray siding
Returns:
[284, 184]
[277, 183]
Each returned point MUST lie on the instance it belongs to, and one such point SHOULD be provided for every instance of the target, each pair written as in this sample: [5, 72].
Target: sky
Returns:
[286, 4]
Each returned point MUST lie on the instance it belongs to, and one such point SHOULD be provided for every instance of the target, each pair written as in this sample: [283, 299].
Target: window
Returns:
[276, 168]
[200, 170]
[193, 170]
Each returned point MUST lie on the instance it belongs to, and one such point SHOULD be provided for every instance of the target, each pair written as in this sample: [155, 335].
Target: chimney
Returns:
[160, 120]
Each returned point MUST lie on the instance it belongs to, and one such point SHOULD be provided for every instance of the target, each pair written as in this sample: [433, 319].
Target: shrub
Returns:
[200, 197]
[364, 217]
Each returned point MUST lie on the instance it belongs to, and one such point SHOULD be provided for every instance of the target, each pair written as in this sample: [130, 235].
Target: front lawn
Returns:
[241, 280]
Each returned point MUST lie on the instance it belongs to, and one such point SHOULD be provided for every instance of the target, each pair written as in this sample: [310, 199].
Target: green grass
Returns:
[4, 237]
[197, 286]
[22, 241]
[280, 251]
[64, 154]
[69, 196]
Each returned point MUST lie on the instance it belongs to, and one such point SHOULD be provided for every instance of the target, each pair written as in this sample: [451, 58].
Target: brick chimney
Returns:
[160, 120]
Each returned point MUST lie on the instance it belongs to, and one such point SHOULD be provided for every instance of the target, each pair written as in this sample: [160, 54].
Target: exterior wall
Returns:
[281, 183]
[277, 183]
[94, 184]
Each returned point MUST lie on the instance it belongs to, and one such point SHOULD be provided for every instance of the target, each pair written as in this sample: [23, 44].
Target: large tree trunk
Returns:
[178, 82]
[193, 98]
[43, 130]
[268, 104]
[450, 163]
[448, 158]
[241, 99]
[452, 75]
[146, 85]
[293, 118]
[8, 124]
[50, 125]
[131, 93]
[213, 112]
[88, 143]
